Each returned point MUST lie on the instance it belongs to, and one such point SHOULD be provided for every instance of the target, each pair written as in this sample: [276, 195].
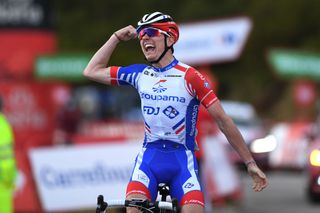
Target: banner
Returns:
[26, 14]
[31, 108]
[25, 195]
[295, 64]
[19, 49]
[67, 67]
[212, 41]
[291, 149]
[71, 178]
[219, 173]
[99, 131]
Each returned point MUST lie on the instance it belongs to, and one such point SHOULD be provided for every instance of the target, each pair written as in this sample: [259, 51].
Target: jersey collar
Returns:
[169, 66]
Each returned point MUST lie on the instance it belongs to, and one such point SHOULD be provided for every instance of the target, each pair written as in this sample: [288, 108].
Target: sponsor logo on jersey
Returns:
[194, 120]
[162, 97]
[173, 76]
[146, 72]
[170, 112]
[149, 110]
[206, 85]
[158, 87]
[143, 177]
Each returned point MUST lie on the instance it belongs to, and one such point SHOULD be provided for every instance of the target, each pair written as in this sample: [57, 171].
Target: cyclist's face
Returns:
[152, 47]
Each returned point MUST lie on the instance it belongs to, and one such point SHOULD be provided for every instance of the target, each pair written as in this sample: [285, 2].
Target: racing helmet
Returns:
[160, 21]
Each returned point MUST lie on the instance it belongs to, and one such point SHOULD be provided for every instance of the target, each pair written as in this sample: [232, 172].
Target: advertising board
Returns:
[71, 178]
[212, 41]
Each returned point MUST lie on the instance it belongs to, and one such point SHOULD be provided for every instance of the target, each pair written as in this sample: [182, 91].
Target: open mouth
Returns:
[149, 47]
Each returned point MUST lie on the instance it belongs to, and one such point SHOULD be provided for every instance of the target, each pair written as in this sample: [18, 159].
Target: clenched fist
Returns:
[125, 34]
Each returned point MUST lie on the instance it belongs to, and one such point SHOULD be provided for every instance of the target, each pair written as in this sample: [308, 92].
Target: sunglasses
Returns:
[151, 32]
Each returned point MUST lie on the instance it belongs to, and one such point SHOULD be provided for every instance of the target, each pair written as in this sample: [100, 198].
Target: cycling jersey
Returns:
[170, 97]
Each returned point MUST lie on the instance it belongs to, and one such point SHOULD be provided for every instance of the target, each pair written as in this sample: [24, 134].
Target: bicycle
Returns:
[144, 205]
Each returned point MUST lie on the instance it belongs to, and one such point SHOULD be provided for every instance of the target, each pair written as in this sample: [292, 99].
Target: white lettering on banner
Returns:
[71, 178]
[34, 119]
[25, 111]
[20, 11]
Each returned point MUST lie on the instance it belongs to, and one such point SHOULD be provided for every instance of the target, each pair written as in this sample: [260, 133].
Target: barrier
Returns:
[70, 178]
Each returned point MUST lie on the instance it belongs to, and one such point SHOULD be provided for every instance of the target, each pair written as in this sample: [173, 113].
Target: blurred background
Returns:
[263, 58]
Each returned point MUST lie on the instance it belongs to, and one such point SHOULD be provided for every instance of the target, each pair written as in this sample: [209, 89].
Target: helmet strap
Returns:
[166, 48]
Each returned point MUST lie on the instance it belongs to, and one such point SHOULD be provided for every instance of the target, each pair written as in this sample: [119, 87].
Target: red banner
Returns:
[19, 48]
[109, 131]
[25, 197]
[31, 108]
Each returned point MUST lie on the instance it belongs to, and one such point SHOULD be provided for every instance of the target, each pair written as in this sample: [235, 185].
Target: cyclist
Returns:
[170, 93]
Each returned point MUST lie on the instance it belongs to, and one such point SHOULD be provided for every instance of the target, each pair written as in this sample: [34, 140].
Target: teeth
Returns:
[149, 46]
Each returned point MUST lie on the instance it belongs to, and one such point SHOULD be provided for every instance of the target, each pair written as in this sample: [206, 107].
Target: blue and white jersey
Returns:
[170, 98]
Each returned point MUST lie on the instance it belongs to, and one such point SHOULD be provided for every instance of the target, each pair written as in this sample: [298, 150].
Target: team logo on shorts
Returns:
[188, 185]
[158, 88]
[171, 112]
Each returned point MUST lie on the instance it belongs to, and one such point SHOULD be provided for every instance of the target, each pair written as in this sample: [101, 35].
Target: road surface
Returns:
[285, 194]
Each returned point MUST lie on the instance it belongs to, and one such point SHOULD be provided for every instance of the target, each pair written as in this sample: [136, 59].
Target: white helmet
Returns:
[160, 21]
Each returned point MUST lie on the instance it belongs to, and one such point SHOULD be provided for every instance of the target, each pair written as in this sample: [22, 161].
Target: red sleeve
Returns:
[199, 87]
[114, 75]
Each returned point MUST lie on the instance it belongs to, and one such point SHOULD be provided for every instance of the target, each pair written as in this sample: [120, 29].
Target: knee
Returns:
[137, 189]
[191, 208]
[195, 197]
[134, 196]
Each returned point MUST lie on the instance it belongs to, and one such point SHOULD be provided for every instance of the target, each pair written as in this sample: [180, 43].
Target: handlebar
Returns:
[139, 203]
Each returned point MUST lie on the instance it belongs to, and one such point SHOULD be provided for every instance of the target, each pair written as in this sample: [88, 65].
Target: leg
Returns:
[193, 201]
[191, 208]
[137, 190]
[131, 196]
[186, 187]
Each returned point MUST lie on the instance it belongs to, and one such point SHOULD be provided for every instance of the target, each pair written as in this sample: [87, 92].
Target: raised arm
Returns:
[98, 69]
[233, 135]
